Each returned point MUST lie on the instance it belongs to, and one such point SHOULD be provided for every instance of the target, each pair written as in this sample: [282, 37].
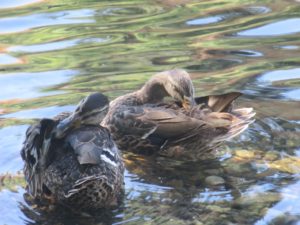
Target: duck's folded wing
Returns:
[156, 124]
[172, 124]
[93, 145]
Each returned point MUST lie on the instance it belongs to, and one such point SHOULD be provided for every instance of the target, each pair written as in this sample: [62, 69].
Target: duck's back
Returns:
[88, 171]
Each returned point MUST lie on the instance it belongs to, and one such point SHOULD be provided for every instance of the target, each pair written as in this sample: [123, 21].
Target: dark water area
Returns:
[54, 52]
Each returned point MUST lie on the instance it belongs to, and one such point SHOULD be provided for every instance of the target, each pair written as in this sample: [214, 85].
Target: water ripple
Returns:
[23, 23]
[28, 85]
[5, 4]
[280, 75]
[47, 112]
[284, 27]
[114, 46]
[275, 84]
[6, 59]
[11, 139]
[56, 45]
[204, 21]
[12, 208]
[289, 47]
[285, 208]
[259, 9]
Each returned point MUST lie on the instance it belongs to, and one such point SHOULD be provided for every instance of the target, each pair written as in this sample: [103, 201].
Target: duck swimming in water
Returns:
[72, 160]
[186, 127]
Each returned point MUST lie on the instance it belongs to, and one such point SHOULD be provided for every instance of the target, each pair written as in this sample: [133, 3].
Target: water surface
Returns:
[53, 53]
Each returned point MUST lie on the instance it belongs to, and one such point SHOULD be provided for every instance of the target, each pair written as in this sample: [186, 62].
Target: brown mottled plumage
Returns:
[72, 160]
[143, 123]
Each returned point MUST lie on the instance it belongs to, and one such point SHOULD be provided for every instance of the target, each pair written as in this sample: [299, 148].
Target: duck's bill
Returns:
[188, 102]
[67, 124]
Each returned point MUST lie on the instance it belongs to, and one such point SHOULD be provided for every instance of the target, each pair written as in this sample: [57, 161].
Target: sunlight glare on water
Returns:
[12, 85]
[284, 27]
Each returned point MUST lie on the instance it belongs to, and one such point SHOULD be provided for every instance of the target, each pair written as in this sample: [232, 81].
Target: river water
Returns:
[54, 52]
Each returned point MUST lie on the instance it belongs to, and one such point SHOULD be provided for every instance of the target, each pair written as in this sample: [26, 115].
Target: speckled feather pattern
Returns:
[166, 128]
[88, 185]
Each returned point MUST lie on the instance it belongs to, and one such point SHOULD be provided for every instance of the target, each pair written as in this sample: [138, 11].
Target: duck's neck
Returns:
[153, 91]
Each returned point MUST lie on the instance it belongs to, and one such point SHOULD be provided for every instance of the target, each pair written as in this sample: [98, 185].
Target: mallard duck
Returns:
[72, 160]
[184, 127]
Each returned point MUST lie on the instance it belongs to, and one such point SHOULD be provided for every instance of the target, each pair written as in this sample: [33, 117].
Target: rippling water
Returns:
[52, 53]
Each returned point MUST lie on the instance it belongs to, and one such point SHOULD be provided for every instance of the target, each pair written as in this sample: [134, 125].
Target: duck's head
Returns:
[177, 84]
[90, 111]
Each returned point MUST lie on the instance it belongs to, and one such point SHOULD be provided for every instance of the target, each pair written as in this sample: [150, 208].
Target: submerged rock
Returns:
[214, 180]
[218, 209]
[239, 169]
[287, 165]
[259, 200]
[271, 156]
[245, 153]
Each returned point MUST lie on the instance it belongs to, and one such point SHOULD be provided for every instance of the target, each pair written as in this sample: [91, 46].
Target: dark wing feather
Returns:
[91, 144]
[218, 103]
[35, 153]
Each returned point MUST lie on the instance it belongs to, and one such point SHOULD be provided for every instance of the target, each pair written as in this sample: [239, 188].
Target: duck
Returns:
[165, 118]
[71, 160]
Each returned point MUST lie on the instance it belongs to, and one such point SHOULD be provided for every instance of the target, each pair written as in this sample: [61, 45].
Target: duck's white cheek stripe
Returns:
[106, 159]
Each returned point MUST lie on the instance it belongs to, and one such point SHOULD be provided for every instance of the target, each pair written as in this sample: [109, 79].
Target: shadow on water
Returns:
[53, 53]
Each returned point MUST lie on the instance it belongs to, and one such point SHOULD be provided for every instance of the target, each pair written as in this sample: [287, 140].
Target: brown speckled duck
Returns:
[184, 127]
[72, 160]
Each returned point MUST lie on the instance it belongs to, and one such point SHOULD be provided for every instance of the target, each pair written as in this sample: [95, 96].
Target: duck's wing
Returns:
[35, 153]
[155, 125]
[170, 124]
[93, 145]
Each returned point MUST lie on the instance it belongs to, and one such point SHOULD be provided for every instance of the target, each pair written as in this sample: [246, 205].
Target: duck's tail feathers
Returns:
[218, 103]
[241, 119]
